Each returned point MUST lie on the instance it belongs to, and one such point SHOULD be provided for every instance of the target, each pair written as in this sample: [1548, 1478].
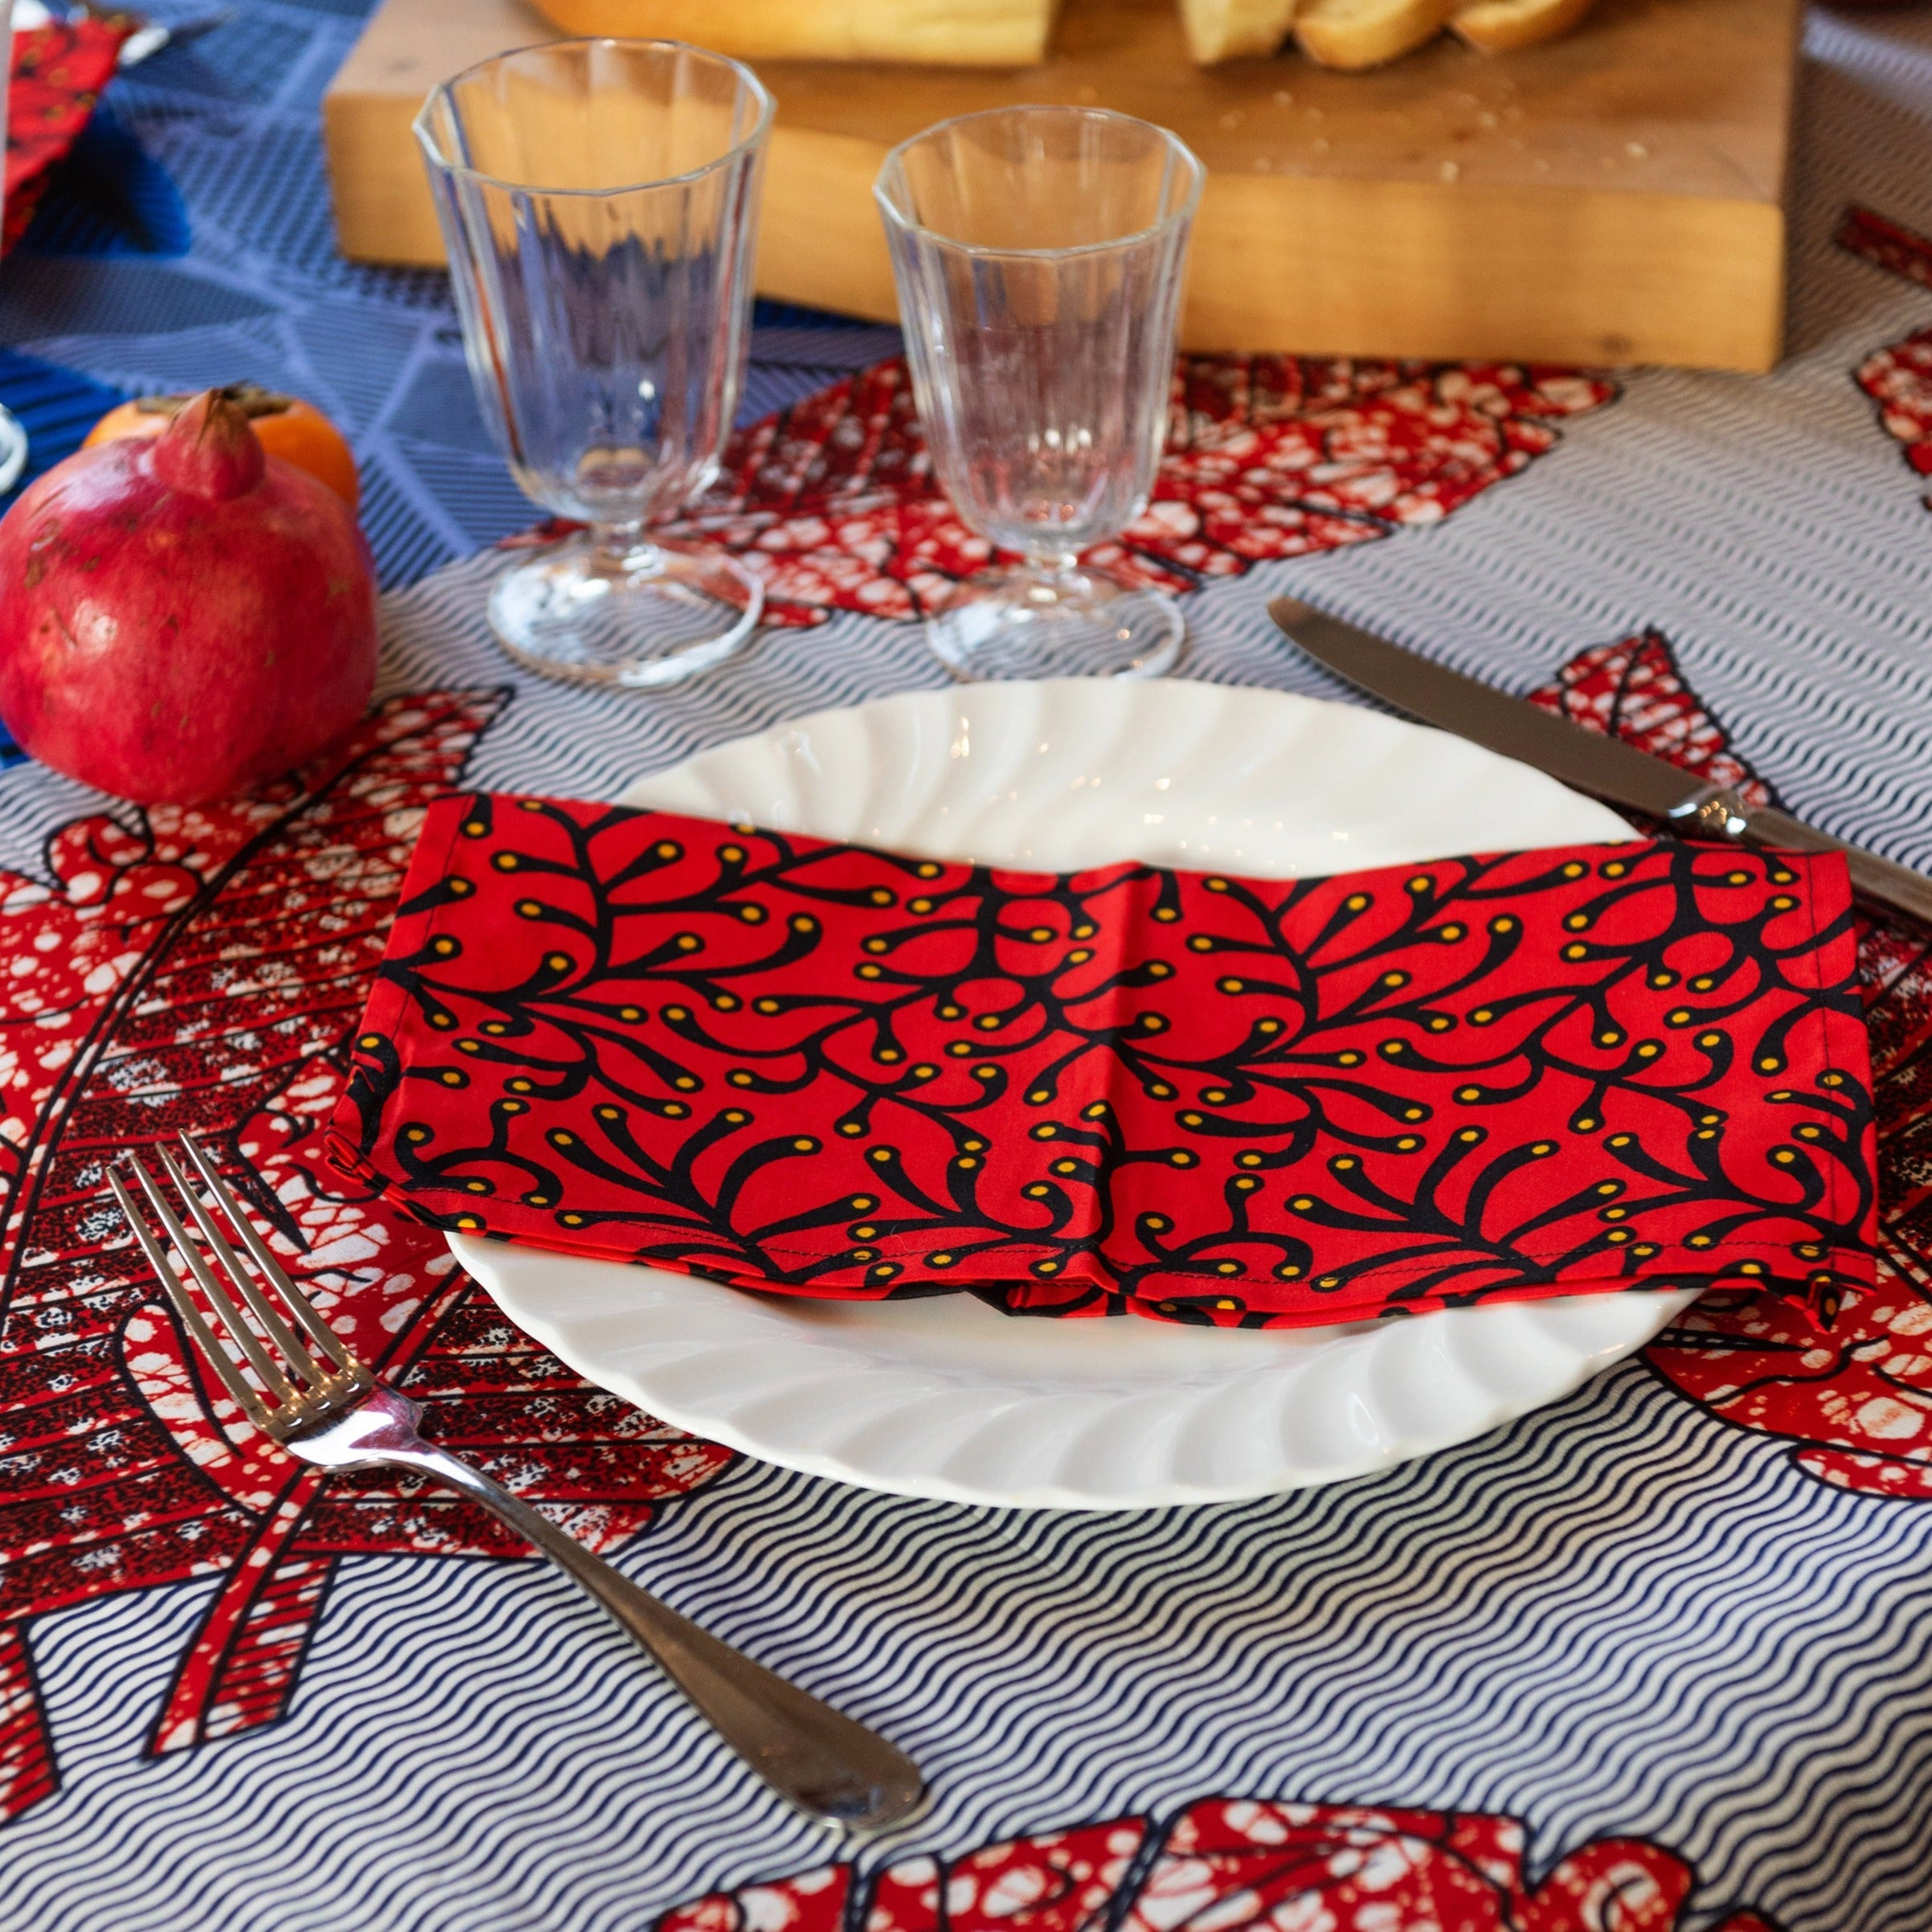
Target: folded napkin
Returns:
[56, 74]
[828, 1070]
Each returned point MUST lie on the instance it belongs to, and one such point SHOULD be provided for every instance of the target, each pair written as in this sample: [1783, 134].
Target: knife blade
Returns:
[1605, 767]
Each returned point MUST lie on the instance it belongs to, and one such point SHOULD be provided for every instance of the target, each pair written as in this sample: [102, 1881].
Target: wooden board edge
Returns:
[1457, 272]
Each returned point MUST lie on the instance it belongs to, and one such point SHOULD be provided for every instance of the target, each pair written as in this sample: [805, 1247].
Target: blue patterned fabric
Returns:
[56, 407]
[109, 197]
[1650, 1633]
[189, 241]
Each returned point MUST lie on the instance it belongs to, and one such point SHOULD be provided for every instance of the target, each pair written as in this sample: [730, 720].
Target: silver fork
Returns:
[320, 1403]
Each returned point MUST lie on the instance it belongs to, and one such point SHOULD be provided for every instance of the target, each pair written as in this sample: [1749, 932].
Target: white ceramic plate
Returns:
[947, 1398]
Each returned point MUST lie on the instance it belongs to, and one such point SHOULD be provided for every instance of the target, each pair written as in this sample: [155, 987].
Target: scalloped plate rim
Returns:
[798, 1421]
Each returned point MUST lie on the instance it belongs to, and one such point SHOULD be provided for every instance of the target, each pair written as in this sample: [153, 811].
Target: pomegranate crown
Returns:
[210, 450]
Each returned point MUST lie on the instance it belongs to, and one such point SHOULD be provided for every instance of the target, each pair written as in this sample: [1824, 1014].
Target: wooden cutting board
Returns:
[1615, 197]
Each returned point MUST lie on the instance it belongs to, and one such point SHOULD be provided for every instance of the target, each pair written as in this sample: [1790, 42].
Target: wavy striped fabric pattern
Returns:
[1621, 1616]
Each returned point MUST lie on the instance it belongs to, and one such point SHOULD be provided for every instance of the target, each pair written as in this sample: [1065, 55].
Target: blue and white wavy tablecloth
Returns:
[1654, 1657]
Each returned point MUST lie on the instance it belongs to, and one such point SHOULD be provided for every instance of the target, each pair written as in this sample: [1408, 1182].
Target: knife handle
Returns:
[1873, 877]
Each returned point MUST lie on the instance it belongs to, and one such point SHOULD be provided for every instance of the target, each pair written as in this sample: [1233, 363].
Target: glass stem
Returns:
[619, 548]
[1054, 562]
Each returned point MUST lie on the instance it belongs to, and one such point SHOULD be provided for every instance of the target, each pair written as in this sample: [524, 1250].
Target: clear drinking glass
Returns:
[599, 201]
[1039, 254]
[12, 438]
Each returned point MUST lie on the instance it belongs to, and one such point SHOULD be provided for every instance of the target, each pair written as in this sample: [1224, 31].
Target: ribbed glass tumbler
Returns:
[599, 202]
[1039, 254]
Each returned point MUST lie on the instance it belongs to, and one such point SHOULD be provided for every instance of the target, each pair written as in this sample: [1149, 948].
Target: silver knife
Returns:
[1603, 767]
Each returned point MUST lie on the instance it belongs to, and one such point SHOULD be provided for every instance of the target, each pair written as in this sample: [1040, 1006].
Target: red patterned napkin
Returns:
[58, 72]
[832, 1071]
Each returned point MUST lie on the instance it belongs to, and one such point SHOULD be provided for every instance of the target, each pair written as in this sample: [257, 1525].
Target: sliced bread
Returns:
[1233, 30]
[1365, 32]
[943, 33]
[1500, 26]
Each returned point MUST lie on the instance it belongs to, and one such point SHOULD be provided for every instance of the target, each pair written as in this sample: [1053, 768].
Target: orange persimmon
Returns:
[287, 427]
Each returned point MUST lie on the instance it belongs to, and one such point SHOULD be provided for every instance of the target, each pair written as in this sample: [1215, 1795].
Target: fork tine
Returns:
[221, 1299]
[280, 1333]
[217, 1357]
[304, 1311]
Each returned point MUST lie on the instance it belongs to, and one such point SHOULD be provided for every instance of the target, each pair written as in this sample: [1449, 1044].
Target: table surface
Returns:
[1650, 1658]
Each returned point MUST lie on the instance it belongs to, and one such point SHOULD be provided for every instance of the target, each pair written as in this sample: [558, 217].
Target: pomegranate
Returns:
[182, 616]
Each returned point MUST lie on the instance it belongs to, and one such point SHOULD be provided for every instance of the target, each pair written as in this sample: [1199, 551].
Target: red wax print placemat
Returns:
[835, 1071]
[58, 71]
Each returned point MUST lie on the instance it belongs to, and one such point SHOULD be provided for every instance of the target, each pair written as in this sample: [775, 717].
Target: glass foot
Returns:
[13, 450]
[1031, 623]
[653, 614]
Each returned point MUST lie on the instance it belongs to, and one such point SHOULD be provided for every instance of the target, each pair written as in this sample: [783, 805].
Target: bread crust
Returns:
[1365, 32]
[1235, 30]
[938, 33]
[1500, 26]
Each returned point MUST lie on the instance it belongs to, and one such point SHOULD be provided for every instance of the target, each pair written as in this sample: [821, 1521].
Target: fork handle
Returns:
[831, 1768]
